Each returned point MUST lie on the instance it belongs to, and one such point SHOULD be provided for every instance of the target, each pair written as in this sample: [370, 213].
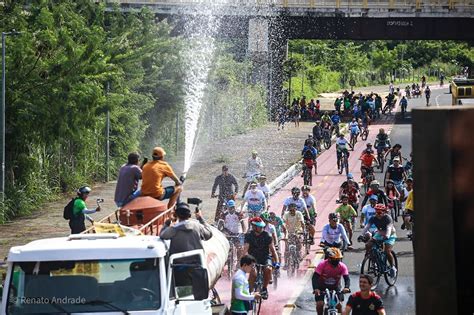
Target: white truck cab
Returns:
[107, 274]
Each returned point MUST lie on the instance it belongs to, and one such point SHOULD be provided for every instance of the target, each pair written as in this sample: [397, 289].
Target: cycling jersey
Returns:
[335, 119]
[334, 235]
[255, 200]
[309, 152]
[330, 276]
[384, 224]
[326, 118]
[368, 212]
[293, 222]
[365, 306]
[317, 132]
[300, 204]
[367, 159]
[395, 173]
[341, 144]
[346, 212]
[232, 222]
[259, 246]
[278, 223]
[310, 204]
[354, 128]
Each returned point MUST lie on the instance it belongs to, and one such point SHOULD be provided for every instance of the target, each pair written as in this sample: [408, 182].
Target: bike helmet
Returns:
[374, 197]
[334, 216]
[344, 197]
[350, 176]
[305, 188]
[295, 190]
[368, 144]
[380, 208]
[292, 206]
[84, 190]
[257, 222]
[231, 203]
[310, 135]
[265, 216]
[374, 183]
[334, 253]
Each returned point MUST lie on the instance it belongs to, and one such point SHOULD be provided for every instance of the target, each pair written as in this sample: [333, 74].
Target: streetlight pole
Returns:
[303, 72]
[2, 118]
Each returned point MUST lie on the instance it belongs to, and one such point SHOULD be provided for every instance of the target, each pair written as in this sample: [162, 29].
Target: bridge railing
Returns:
[307, 4]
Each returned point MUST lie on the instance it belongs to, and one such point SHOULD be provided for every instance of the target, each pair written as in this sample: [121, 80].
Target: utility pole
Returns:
[107, 141]
[303, 72]
[2, 118]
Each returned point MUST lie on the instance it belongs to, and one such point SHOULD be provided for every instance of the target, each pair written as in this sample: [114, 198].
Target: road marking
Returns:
[437, 104]
[290, 304]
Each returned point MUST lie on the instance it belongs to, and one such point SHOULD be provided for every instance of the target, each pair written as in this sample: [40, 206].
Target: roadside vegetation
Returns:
[317, 66]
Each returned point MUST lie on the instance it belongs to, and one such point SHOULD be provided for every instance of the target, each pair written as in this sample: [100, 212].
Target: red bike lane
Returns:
[325, 189]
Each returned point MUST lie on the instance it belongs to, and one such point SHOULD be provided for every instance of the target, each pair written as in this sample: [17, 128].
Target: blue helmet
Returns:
[350, 176]
[231, 203]
[374, 197]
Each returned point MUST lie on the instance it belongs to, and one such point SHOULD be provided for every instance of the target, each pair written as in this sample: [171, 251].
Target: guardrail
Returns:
[312, 4]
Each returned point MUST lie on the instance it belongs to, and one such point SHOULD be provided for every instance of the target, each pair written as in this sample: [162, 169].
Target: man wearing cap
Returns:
[253, 168]
[153, 174]
[80, 211]
[396, 172]
[185, 234]
[127, 182]
[228, 188]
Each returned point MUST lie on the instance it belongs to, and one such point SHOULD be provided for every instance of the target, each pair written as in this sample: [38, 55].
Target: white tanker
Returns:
[113, 274]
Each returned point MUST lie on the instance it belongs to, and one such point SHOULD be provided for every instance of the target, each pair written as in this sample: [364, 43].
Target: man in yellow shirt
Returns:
[152, 177]
[409, 215]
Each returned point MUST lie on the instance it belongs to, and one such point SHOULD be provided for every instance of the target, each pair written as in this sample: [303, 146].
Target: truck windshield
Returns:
[84, 286]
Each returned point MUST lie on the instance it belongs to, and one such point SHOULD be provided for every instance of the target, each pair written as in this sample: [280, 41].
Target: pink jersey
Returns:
[331, 276]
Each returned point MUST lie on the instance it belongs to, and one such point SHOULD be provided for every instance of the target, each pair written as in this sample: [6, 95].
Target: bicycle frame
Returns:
[331, 300]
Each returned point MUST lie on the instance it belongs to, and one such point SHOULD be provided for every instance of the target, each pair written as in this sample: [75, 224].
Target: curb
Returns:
[285, 177]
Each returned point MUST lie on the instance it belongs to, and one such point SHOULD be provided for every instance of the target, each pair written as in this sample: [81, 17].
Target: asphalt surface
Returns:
[399, 299]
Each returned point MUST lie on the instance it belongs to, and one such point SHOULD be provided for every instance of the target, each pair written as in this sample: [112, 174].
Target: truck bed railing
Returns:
[152, 227]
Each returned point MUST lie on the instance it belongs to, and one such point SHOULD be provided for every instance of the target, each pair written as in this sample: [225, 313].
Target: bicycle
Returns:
[258, 286]
[232, 258]
[292, 255]
[331, 300]
[376, 264]
[326, 139]
[365, 133]
[392, 206]
[368, 178]
[276, 271]
[353, 139]
[307, 175]
[343, 162]
[380, 158]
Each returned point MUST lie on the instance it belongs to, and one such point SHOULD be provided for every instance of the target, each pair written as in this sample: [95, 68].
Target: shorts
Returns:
[169, 191]
[390, 241]
[409, 213]
[320, 297]
[264, 261]
[308, 163]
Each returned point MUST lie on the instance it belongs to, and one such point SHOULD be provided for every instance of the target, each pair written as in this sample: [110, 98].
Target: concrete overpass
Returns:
[265, 26]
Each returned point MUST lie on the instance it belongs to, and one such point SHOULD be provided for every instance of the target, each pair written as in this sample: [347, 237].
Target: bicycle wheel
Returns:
[307, 176]
[369, 267]
[307, 246]
[327, 143]
[381, 163]
[346, 165]
[365, 134]
[276, 275]
[391, 280]
[341, 166]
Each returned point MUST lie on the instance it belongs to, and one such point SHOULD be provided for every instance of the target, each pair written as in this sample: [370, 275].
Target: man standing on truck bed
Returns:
[152, 177]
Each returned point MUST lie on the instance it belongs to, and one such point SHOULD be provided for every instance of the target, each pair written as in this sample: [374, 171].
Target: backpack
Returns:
[68, 213]
[308, 155]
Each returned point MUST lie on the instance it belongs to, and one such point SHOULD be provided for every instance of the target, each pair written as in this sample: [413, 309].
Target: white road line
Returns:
[437, 104]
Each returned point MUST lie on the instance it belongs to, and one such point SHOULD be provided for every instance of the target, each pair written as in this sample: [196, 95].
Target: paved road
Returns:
[294, 295]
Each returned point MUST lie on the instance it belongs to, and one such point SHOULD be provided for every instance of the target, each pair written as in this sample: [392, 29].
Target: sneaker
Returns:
[403, 226]
[264, 293]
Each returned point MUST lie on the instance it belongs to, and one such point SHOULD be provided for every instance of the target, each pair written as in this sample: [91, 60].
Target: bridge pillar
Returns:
[267, 49]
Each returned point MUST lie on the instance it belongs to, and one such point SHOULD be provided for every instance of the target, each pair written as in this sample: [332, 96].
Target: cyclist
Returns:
[409, 166]
[427, 95]
[352, 191]
[241, 295]
[311, 205]
[375, 190]
[309, 140]
[341, 148]
[393, 195]
[233, 219]
[318, 134]
[297, 200]
[262, 185]
[394, 152]
[385, 232]
[269, 227]
[367, 161]
[365, 301]
[346, 185]
[396, 173]
[368, 147]
[279, 225]
[309, 154]
[259, 244]
[368, 211]
[354, 128]
[254, 167]
[382, 141]
[333, 233]
[326, 119]
[228, 189]
[335, 119]
[347, 214]
[294, 223]
[327, 275]
[255, 199]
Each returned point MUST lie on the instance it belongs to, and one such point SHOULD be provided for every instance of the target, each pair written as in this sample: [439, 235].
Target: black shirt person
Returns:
[365, 301]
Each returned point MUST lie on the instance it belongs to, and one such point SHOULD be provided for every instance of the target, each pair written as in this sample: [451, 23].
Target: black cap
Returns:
[182, 210]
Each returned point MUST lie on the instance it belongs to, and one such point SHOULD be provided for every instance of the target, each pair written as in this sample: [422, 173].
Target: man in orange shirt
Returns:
[152, 177]
[367, 158]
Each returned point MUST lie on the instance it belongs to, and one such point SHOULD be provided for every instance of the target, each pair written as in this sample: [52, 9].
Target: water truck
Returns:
[119, 266]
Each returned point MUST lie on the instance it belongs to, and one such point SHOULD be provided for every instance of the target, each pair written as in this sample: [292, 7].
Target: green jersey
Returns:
[346, 212]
